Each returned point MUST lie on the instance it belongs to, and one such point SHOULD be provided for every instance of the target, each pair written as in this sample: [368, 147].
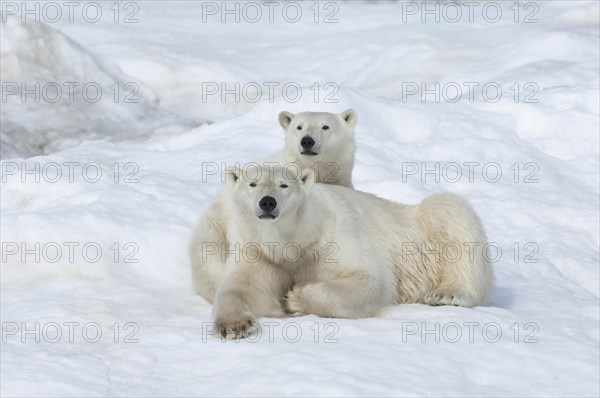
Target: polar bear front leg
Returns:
[359, 296]
[247, 292]
[233, 317]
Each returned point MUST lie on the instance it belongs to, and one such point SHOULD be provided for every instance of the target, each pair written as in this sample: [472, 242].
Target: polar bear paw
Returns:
[294, 303]
[238, 328]
[445, 298]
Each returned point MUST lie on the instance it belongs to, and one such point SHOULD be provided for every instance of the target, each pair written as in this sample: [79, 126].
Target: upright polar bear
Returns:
[321, 141]
[385, 253]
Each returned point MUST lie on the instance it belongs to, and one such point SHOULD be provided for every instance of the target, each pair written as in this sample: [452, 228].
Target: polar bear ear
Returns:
[232, 175]
[350, 117]
[307, 177]
[285, 118]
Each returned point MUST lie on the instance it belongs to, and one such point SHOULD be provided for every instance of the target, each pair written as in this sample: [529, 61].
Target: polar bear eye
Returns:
[299, 127]
[252, 184]
[283, 186]
[326, 127]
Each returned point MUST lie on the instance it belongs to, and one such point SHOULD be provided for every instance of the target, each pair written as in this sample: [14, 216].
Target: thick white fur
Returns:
[332, 165]
[359, 253]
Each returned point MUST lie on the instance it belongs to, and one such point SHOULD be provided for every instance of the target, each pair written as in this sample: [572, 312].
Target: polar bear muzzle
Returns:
[268, 205]
[308, 143]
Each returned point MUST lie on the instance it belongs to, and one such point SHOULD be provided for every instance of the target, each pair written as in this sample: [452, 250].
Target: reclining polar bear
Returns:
[321, 141]
[384, 253]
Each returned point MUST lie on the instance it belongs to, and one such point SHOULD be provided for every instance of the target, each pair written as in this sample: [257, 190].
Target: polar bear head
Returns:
[268, 193]
[322, 139]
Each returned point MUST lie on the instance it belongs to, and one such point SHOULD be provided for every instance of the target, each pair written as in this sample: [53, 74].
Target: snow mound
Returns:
[57, 93]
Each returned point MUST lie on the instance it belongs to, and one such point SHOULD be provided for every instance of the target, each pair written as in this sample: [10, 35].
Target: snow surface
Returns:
[547, 277]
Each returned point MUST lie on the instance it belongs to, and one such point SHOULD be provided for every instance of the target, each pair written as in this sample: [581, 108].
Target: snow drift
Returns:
[57, 93]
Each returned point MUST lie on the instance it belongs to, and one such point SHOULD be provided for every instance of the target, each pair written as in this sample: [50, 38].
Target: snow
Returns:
[158, 156]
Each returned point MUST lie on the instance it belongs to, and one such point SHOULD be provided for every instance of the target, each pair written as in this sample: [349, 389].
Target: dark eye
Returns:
[283, 186]
[252, 184]
[299, 127]
[326, 127]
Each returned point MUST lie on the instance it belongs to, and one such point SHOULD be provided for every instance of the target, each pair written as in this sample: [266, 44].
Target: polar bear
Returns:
[305, 248]
[321, 141]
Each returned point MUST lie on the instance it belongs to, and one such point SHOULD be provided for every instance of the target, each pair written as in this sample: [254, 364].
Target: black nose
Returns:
[267, 204]
[307, 142]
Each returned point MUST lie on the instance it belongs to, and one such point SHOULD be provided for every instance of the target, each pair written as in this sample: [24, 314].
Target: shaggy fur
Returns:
[352, 253]
[333, 135]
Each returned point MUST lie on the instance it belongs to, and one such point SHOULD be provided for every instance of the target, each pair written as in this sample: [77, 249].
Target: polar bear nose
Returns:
[268, 204]
[307, 142]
